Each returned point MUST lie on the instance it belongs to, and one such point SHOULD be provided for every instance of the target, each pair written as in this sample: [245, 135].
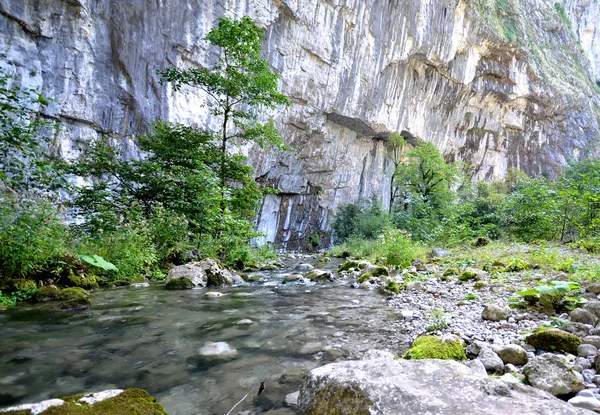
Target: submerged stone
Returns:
[218, 350]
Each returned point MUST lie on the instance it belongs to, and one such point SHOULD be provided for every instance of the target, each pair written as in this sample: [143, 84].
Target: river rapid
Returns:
[150, 338]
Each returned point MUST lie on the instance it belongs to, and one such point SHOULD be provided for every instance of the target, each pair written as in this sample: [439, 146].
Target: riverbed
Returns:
[150, 338]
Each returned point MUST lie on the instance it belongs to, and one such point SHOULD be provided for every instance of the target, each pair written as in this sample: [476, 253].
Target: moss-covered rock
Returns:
[348, 265]
[450, 271]
[121, 283]
[479, 285]
[129, 401]
[81, 303]
[18, 284]
[433, 347]
[467, 275]
[47, 293]
[339, 400]
[365, 277]
[79, 280]
[554, 340]
[517, 265]
[377, 271]
[72, 293]
[181, 283]
[320, 275]
[391, 287]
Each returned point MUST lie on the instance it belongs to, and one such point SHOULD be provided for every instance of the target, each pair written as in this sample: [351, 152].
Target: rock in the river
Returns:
[493, 312]
[513, 354]
[303, 267]
[292, 278]
[192, 272]
[410, 387]
[549, 373]
[320, 275]
[581, 315]
[205, 273]
[491, 361]
[554, 340]
[218, 350]
[181, 283]
[291, 399]
[110, 402]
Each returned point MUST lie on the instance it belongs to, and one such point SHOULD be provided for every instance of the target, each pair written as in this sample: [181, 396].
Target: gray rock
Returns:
[586, 403]
[578, 329]
[477, 367]
[588, 375]
[593, 288]
[513, 354]
[593, 340]
[583, 362]
[411, 387]
[205, 273]
[585, 350]
[491, 361]
[473, 349]
[580, 315]
[35, 408]
[192, 271]
[549, 373]
[414, 286]
[244, 322]
[292, 278]
[304, 267]
[439, 253]
[593, 307]
[494, 312]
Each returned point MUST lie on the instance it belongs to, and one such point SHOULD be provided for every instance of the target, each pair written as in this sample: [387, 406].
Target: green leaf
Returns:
[531, 291]
[99, 262]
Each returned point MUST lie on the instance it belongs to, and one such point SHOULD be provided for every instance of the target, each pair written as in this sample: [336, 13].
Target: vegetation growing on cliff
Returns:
[190, 195]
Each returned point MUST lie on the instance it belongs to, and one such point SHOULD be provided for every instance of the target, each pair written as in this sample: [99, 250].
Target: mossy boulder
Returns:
[479, 285]
[320, 275]
[112, 402]
[181, 283]
[365, 277]
[72, 293]
[47, 293]
[19, 284]
[79, 280]
[80, 303]
[433, 347]
[391, 287]
[517, 265]
[450, 271]
[467, 275]
[554, 340]
[121, 283]
[348, 265]
[376, 270]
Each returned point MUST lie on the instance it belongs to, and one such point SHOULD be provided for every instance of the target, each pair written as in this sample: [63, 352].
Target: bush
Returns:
[397, 249]
[363, 220]
[32, 236]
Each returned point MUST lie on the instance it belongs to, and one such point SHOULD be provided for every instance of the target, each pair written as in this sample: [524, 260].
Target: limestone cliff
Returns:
[497, 83]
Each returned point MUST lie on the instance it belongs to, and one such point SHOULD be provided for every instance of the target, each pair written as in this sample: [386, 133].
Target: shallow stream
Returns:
[149, 338]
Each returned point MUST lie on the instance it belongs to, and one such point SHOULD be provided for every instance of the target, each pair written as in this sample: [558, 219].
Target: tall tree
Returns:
[238, 86]
[396, 151]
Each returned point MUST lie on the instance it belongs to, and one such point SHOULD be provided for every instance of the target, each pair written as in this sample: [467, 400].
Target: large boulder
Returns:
[554, 340]
[207, 273]
[109, 402]
[513, 354]
[409, 387]
[548, 372]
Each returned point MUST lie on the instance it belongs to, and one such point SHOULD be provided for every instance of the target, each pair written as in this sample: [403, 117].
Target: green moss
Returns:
[365, 277]
[131, 401]
[479, 285]
[181, 283]
[19, 284]
[80, 303]
[81, 281]
[450, 271]
[467, 275]
[348, 265]
[392, 287]
[554, 340]
[47, 293]
[339, 400]
[517, 265]
[432, 347]
[72, 293]
[121, 283]
[380, 271]
[252, 278]
[318, 275]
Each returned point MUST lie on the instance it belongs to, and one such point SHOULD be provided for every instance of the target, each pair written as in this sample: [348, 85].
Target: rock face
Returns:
[496, 84]
[406, 387]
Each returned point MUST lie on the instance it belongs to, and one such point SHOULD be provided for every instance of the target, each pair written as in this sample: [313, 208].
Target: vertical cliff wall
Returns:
[497, 83]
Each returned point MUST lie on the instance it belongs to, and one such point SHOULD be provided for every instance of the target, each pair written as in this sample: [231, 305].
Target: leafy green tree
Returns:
[25, 162]
[238, 86]
[396, 151]
[363, 220]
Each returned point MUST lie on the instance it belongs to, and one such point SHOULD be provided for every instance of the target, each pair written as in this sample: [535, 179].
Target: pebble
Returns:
[244, 322]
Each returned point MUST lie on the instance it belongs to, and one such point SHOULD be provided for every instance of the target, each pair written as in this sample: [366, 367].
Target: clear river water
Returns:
[150, 338]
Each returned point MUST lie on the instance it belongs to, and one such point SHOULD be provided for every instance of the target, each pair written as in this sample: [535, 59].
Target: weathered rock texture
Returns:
[405, 387]
[497, 83]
